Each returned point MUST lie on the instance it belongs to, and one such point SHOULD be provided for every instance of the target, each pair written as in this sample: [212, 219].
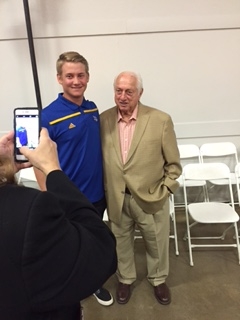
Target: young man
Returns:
[139, 173]
[73, 123]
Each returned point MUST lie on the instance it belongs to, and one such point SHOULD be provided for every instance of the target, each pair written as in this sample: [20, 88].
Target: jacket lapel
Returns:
[142, 120]
[113, 129]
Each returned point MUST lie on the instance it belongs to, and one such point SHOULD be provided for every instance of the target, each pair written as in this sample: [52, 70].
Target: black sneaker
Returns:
[103, 297]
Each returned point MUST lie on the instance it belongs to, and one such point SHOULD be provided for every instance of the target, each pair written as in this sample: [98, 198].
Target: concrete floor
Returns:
[208, 291]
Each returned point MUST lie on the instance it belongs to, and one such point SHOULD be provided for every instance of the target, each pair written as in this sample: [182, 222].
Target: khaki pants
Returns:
[155, 232]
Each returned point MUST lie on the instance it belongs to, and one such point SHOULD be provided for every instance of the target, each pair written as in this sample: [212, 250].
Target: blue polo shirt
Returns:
[76, 131]
[21, 133]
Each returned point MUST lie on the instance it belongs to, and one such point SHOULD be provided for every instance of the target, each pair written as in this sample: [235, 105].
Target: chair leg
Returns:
[189, 240]
[205, 193]
[225, 232]
[237, 241]
[175, 233]
[173, 218]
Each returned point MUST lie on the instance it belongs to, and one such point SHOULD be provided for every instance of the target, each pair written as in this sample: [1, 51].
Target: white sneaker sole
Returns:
[104, 303]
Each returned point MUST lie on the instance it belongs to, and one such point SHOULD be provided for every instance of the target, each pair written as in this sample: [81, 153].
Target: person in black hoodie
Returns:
[54, 248]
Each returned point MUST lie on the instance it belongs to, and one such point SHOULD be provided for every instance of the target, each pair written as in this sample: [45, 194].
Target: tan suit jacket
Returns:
[152, 165]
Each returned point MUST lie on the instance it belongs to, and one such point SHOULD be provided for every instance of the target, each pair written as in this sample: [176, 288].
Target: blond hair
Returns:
[71, 56]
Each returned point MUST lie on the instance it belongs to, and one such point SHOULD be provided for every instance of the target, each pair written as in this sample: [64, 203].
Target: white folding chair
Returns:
[209, 212]
[190, 153]
[222, 151]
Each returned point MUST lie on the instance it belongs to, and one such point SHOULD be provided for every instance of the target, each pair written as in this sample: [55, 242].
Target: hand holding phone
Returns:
[26, 130]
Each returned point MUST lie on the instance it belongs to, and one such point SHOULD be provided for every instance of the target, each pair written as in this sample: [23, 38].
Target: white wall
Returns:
[186, 51]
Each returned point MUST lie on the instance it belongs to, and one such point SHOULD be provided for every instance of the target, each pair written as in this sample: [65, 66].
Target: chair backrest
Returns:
[218, 149]
[237, 174]
[237, 170]
[208, 171]
[189, 151]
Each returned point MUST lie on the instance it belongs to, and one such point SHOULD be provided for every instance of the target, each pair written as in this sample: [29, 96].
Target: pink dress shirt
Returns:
[126, 131]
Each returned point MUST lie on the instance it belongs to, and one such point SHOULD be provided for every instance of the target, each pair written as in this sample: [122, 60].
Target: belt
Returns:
[127, 191]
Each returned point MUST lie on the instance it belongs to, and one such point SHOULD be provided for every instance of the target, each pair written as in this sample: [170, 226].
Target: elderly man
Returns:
[141, 165]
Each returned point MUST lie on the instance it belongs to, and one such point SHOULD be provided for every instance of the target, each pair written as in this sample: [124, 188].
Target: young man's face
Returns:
[74, 80]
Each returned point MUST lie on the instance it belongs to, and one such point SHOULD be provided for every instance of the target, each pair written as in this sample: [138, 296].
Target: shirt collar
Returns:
[70, 103]
[133, 116]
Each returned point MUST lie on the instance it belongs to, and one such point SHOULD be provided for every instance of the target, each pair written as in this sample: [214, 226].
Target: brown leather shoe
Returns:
[123, 293]
[162, 293]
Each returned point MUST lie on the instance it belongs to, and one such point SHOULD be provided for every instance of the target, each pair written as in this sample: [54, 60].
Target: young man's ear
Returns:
[59, 78]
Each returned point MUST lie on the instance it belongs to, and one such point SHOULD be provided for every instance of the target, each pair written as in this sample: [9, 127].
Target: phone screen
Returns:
[26, 129]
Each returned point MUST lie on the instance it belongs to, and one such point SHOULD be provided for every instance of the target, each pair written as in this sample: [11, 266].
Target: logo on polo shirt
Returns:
[71, 126]
[95, 118]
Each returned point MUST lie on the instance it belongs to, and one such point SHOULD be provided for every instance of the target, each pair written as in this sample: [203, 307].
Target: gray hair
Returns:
[137, 76]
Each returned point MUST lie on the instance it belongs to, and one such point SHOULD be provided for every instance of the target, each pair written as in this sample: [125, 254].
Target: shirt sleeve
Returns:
[45, 124]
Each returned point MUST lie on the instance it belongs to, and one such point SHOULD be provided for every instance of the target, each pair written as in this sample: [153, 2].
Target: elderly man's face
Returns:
[126, 93]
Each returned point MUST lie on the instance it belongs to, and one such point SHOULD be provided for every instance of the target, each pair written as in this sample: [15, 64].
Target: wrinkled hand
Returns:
[45, 156]
[7, 151]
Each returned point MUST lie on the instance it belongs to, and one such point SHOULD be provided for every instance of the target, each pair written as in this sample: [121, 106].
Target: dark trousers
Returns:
[100, 206]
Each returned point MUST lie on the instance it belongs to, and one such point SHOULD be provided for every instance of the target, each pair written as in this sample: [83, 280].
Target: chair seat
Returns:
[212, 212]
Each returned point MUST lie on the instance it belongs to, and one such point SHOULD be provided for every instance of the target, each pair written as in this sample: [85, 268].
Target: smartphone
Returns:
[26, 130]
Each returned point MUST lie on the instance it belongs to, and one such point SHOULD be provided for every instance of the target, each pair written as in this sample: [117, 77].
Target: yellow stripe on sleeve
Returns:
[65, 118]
[91, 110]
